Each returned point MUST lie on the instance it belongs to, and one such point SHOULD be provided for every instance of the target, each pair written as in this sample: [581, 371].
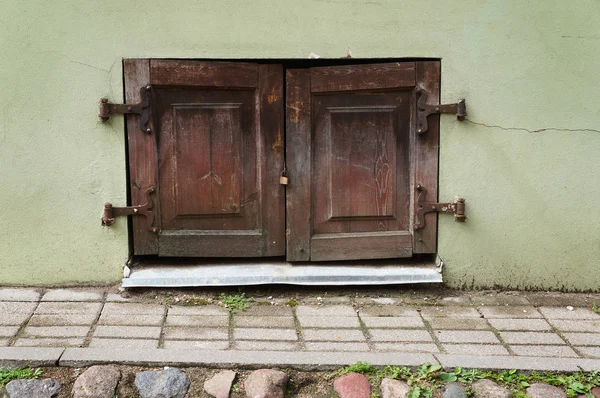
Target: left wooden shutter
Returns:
[215, 154]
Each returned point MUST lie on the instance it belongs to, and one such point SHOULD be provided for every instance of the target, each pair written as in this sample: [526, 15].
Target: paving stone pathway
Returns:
[483, 325]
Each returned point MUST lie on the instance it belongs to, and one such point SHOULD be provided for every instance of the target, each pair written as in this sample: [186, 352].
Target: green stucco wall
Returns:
[528, 163]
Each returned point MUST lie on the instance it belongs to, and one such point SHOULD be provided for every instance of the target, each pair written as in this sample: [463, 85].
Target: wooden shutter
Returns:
[354, 159]
[215, 155]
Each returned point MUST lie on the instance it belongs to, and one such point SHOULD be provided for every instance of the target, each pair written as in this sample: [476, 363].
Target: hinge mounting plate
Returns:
[142, 108]
[146, 210]
[424, 109]
[458, 208]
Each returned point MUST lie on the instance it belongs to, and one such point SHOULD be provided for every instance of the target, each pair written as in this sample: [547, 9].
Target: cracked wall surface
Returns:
[527, 160]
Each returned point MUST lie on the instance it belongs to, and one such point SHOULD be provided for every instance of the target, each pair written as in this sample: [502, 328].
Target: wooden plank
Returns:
[335, 247]
[205, 74]
[142, 157]
[272, 139]
[362, 77]
[426, 152]
[189, 243]
[298, 159]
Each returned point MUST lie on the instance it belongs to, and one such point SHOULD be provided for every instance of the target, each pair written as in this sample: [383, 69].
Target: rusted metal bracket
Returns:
[142, 108]
[458, 208]
[424, 110]
[110, 212]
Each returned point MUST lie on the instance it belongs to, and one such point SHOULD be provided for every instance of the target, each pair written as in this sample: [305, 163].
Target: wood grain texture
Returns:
[142, 157]
[271, 149]
[362, 77]
[426, 154]
[335, 247]
[185, 243]
[205, 74]
[298, 159]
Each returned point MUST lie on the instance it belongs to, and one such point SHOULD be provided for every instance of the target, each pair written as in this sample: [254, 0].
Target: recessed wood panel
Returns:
[362, 161]
[207, 140]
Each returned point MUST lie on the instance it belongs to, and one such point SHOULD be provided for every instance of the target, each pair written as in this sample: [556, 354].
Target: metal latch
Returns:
[458, 208]
[142, 108]
[110, 212]
[424, 110]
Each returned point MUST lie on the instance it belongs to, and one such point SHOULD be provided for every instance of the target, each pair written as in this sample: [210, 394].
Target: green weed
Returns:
[8, 374]
[235, 302]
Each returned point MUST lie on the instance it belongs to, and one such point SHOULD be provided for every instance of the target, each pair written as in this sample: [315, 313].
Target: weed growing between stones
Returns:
[595, 308]
[235, 302]
[8, 374]
[427, 378]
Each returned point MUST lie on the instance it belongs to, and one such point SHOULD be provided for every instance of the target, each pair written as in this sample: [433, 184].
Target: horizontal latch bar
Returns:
[458, 208]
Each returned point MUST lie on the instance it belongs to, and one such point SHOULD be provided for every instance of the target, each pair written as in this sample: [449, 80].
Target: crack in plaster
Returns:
[493, 126]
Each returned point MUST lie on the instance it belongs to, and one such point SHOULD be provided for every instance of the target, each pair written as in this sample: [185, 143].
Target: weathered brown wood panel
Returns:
[142, 157]
[205, 74]
[426, 154]
[298, 159]
[337, 247]
[362, 77]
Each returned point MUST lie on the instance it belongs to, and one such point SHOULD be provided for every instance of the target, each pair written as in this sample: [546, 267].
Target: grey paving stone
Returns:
[62, 308]
[466, 336]
[531, 338]
[335, 347]
[133, 309]
[217, 321]
[29, 356]
[62, 320]
[117, 298]
[14, 318]
[186, 356]
[55, 331]
[383, 300]
[564, 313]
[329, 322]
[583, 338]
[407, 347]
[265, 334]
[8, 331]
[329, 310]
[388, 310]
[559, 299]
[19, 295]
[72, 295]
[399, 335]
[519, 324]
[131, 320]
[123, 343]
[453, 312]
[456, 300]
[4, 342]
[327, 300]
[593, 352]
[7, 307]
[475, 349]
[499, 299]
[444, 323]
[187, 333]
[141, 332]
[543, 350]
[485, 362]
[50, 342]
[266, 310]
[393, 322]
[567, 325]
[267, 346]
[264, 322]
[333, 335]
[515, 312]
[196, 345]
[198, 310]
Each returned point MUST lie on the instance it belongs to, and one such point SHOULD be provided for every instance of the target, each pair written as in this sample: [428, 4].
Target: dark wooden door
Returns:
[215, 155]
[354, 159]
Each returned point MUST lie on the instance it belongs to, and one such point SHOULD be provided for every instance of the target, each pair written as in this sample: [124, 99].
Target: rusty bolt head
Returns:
[129, 108]
[148, 88]
[420, 130]
[460, 200]
[148, 131]
[104, 100]
[135, 210]
[437, 108]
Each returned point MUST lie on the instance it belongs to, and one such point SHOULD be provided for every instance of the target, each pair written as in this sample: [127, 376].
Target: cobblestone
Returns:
[543, 350]
[198, 320]
[442, 323]
[330, 310]
[72, 295]
[466, 336]
[130, 320]
[123, 343]
[454, 312]
[336, 347]
[50, 342]
[148, 332]
[187, 333]
[583, 338]
[579, 326]
[520, 324]
[531, 338]
[196, 345]
[475, 349]
[510, 312]
[265, 334]
[564, 313]
[264, 322]
[393, 322]
[333, 335]
[399, 335]
[55, 331]
[267, 345]
[62, 320]
[329, 322]
[19, 295]
[407, 347]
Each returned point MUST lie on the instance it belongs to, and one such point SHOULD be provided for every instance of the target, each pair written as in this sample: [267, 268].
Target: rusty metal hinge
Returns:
[458, 208]
[110, 212]
[142, 108]
[424, 109]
